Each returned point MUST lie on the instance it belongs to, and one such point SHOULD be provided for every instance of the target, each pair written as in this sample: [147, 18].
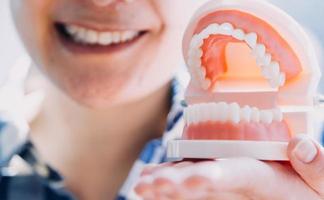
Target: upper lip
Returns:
[102, 27]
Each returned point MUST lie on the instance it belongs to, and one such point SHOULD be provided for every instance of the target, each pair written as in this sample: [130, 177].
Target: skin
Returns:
[90, 97]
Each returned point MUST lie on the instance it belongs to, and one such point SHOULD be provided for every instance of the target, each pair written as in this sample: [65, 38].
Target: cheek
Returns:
[32, 22]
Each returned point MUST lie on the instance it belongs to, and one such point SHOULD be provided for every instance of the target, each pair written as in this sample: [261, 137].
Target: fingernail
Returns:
[305, 151]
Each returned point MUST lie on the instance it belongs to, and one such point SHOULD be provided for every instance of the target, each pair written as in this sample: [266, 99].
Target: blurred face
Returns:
[104, 52]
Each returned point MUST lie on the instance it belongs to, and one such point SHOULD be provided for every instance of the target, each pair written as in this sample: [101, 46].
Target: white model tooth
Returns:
[195, 53]
[196, 42]
[206, 84]
[274, 82]
[266, 59]
[214, 112]
[226, 29]
[213, 28]
[238, 34]
[255, 115]
[210, 30]
[277, 115]
[234, 113]
[206, 113]
[105, 38]
[91, 37]
[246, 113]
[266, 116]
[274, 69]
[266, 72]
[251, 39]
[282, 79]
[259, 51]
[223, 111]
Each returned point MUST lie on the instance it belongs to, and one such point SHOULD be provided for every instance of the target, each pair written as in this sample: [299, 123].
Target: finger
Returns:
[307, 158]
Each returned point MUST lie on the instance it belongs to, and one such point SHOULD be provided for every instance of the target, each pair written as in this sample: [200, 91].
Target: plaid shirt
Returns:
[35, 180]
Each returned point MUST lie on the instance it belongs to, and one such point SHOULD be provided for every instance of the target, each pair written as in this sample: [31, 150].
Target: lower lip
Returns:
[79, 48]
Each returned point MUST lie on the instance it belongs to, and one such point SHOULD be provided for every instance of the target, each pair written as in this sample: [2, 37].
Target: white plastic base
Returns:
[211, 149]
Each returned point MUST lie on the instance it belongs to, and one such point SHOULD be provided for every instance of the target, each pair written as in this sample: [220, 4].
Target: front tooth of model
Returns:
[274, 82]
[251, 39]
[277, 115]
[223, 111]
[259, 51]
[207, 114]
[282, 79]
[238, 34]
[274, 69]
[226, 29]
[266, 116]
[266, 59]
[196, 42]
[246, 113]
[266, 71]
[255, 115]
[215, 112]
[234, 112]
[213, 28]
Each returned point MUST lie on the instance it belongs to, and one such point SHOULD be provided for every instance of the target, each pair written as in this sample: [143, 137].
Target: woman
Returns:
[109, 66]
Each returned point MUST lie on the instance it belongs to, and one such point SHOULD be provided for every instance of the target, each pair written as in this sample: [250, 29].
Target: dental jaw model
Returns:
[254, 76]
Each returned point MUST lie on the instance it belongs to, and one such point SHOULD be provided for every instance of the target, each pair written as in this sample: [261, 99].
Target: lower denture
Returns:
[275, 131]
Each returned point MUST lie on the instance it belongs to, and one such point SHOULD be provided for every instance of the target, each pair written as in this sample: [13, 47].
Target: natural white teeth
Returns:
[274, 69]
[88, 36]
[251, 40]
[255, 115]
[92, 37]
[277, 115]
[266, 116]
[234, 112]
[246, 113]
[226, 29]
[105, 38]
[224, 112]
[238, 34]
[72, 29]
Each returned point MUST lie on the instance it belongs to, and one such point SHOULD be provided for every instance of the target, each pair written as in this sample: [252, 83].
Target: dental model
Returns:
[254, 75]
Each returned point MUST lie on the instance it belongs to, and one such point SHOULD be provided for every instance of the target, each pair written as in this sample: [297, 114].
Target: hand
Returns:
[240, 178]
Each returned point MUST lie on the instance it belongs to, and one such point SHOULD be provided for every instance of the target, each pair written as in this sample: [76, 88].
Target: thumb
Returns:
[307, 158]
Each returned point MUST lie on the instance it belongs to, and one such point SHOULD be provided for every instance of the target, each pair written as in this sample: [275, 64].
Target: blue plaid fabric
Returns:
[44, 183]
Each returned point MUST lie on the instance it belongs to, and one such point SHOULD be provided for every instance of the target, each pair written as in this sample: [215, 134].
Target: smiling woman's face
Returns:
[101, 54]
